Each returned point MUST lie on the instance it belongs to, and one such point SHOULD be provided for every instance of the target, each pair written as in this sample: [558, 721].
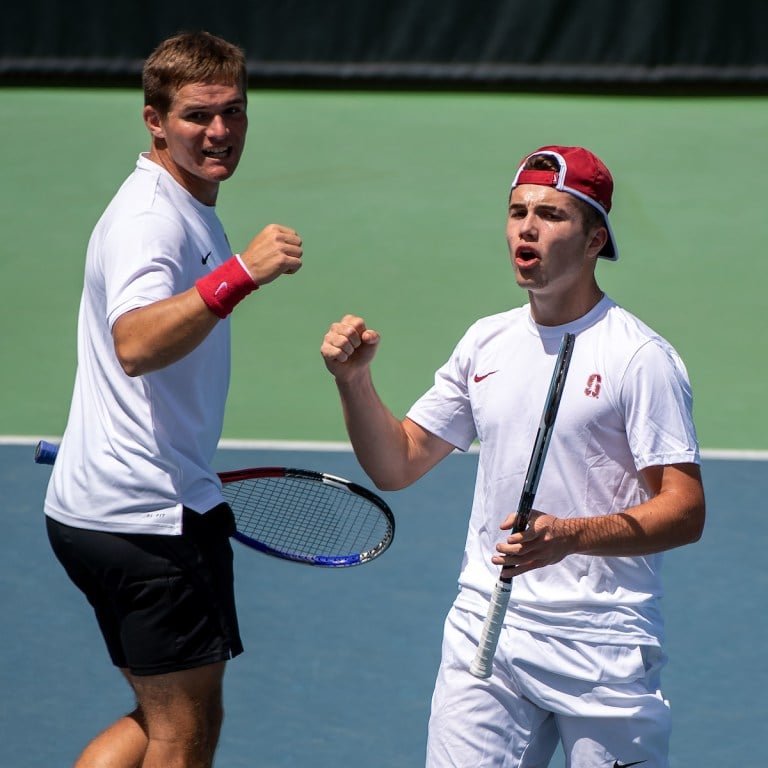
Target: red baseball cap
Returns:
[581, 174]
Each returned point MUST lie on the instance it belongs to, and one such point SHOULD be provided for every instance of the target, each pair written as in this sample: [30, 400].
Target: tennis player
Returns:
[134, 512]
[580, 654]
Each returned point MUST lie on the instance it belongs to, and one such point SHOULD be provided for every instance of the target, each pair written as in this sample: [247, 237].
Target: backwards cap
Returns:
[581, 174]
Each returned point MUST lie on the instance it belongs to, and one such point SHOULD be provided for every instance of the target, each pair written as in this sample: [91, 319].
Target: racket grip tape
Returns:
[45, 452]
[489, 638]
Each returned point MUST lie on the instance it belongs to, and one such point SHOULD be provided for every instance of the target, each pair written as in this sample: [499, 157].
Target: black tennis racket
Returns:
[482, 663]
[299, 515]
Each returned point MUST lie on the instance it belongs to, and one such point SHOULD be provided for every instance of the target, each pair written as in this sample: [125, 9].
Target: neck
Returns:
[203, 191]
[552, 310]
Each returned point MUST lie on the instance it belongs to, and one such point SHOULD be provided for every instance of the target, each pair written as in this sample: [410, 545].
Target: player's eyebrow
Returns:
[538, 208]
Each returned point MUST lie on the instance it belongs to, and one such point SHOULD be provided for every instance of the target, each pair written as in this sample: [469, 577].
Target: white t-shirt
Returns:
[135, 450]
[626, 406]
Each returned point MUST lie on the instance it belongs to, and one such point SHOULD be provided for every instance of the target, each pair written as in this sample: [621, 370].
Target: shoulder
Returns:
[649, 364]
[618, 326]
[624, 348]
[502, 322]
[142, 207]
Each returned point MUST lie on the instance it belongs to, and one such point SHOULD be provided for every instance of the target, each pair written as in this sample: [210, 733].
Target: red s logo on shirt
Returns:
[593, 385]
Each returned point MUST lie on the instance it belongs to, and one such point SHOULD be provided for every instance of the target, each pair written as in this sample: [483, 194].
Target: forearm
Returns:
[152, 337]
[393, 453]
[626, 534]
[378, 438]
[162, 333]
[672, 518]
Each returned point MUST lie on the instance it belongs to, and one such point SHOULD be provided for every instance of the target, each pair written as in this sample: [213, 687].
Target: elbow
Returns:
[698, 526]
[695, 523]
[389, 478]
[385, 480]
[131, 368]
[132, 371]
[133, 364]
[130, 353]
[389, 484]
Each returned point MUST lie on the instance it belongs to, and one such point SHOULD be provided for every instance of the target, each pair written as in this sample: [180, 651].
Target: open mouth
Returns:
[218, 153]
[526, 257]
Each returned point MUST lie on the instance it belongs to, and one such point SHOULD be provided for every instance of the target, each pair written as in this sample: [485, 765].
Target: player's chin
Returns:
[529, 278]
[526, 282]
[219, 173]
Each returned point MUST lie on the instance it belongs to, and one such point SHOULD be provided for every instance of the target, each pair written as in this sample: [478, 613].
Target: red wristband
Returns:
[226, 286]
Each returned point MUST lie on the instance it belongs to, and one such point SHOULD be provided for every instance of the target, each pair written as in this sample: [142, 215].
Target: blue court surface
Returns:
[339, 665]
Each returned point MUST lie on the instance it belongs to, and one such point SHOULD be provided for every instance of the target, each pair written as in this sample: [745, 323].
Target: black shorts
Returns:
[163, 603]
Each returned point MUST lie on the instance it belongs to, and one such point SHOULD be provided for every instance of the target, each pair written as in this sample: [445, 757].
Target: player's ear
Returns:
[153, 122]
[597, 241]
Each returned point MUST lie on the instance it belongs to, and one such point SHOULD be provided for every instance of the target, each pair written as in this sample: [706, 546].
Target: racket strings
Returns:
[305, 517]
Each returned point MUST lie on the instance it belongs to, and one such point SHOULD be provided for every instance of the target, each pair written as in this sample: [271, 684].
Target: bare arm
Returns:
[393, 453]
[159, 334]
[674, 516]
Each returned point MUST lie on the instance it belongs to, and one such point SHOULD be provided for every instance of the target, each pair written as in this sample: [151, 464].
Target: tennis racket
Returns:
[489, 638]
[299, 515]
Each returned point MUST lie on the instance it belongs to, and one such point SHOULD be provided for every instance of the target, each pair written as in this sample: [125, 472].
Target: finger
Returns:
[508, 523]
[294, 266]
[508, 567]
[290, 242]
[339, 342]
[333, 354]
[348, 331]
[281, 229]
[353, 320]
[370, 336]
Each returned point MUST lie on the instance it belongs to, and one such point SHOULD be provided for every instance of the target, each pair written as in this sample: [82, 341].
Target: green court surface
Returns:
[400, 199]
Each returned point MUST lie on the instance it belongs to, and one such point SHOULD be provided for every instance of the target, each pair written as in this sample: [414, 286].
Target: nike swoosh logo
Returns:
[222, 287]
[617, 764]
[205, 258]
[480, 377]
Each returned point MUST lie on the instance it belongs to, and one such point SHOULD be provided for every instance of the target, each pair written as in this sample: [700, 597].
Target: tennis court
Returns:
[339, 665]
[400, 200]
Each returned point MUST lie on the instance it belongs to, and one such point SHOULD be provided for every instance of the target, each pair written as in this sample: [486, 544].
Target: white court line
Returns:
[304, 445]
[340, 446]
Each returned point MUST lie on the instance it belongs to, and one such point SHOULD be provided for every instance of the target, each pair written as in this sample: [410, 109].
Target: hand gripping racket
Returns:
[299, 515]
[494, 620]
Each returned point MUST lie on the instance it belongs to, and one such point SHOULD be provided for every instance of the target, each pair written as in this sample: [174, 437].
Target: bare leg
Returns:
[183, 713]
[122, 745]
[176, 724]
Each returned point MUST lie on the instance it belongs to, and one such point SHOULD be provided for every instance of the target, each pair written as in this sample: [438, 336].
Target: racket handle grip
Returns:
[45, 452]
[489, 638]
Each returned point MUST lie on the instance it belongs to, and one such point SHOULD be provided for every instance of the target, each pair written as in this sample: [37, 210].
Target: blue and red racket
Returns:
[299, 515]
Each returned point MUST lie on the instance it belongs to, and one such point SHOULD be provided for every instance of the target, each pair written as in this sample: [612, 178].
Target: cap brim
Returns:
[609, 252]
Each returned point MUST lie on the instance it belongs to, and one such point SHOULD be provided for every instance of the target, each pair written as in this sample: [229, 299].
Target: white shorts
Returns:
[601, 702]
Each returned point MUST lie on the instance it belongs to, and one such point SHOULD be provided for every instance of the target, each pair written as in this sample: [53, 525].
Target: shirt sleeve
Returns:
[141, 262]
[445, 409]
[657, 401]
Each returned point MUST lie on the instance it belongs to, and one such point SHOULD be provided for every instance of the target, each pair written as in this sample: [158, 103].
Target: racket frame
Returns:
[325, 561]
[45, 453]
